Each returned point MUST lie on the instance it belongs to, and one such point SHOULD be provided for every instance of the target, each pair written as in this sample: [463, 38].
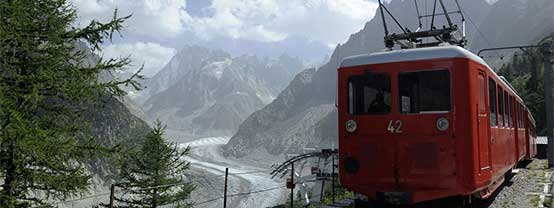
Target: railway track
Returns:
[538, 194]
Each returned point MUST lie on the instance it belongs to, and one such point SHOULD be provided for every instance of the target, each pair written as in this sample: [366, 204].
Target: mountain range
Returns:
[203, 92]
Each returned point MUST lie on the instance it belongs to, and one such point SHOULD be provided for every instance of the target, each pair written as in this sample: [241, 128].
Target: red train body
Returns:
[422, 124]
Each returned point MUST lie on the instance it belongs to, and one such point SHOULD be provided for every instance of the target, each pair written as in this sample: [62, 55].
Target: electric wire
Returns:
[160, 186]
[240, 194]
[75, 200]
[476, 28]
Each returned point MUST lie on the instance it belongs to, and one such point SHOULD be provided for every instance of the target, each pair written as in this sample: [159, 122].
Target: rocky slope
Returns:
[303, 115]
[112, 121]
[515, 22]
[111, 124]
[207, 93]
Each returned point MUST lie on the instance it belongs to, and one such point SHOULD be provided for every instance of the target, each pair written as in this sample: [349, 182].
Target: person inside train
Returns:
[378, 104]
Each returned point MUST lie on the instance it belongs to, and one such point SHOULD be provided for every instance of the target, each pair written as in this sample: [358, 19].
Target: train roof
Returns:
[411, 55]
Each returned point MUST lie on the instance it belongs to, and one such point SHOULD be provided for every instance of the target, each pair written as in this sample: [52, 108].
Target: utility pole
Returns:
[225, 188]
[290, 184]
[333, 178]
[112, 195]
[547, 55]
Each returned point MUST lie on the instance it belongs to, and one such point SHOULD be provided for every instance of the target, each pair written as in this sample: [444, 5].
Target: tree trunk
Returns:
[8, 159]
[155, 199]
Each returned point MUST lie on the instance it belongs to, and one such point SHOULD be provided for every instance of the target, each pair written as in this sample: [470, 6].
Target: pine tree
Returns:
[153, 175]
[46, 82]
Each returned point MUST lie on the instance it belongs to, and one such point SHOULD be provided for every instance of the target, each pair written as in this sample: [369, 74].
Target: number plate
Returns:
[395, 127]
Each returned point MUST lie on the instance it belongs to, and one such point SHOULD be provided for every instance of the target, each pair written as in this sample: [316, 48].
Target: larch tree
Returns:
[153, 175]
[45, 83]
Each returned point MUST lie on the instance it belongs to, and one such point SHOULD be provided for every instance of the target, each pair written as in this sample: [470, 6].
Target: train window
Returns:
[516, 114]
[518, 110]
[511, 114]
[521, 115]
[506, 109]
[500, 106]
[418, 95]
[492, 101]
[369, 94]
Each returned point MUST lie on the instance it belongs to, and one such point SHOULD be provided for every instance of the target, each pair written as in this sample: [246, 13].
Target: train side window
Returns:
[516, 114]
[511, 113]
[506, 109]
[369, 94]
[492, 101]
[418, 95]
[500, 107]
[520, 115]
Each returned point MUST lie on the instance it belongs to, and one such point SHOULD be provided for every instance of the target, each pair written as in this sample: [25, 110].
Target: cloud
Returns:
[175, 23]
[328, 21]
[152, 55]
[236, 19]
[154, 19]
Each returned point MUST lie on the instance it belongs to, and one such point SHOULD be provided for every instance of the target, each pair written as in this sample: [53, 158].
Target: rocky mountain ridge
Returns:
[209, 93]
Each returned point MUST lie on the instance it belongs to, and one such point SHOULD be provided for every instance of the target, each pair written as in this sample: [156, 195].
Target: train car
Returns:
[428, 123]
[531, 139]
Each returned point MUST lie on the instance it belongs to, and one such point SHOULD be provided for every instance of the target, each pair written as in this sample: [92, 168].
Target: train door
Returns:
[483, 123]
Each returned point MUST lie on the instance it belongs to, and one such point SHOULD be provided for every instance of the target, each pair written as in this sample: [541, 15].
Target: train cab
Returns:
[415, 125]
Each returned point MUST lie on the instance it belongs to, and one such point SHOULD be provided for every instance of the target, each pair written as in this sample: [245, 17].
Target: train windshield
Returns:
[369, 94]
[424, 92]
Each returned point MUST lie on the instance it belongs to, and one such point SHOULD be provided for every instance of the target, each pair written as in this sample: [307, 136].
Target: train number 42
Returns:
[395, 127]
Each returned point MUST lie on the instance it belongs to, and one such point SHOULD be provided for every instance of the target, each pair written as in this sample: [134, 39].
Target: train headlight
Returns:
[351, 126]
[442, 124]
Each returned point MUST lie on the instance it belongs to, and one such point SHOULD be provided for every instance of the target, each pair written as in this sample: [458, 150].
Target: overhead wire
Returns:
[240, 194]
[476, 28]
[160, 186]
[75, 200]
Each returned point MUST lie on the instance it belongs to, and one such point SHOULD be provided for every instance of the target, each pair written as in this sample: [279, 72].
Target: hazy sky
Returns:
[159, 28]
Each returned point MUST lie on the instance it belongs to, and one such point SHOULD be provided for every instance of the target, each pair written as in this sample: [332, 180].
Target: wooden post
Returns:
[292, 181]
[322, 191]
[112, 195]
[333, 178]
[225, 188]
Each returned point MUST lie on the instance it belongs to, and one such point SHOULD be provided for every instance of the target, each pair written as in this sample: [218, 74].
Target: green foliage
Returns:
[327, 199]
[46, 85]
[340, 194]
[526, 74]
[153, 175]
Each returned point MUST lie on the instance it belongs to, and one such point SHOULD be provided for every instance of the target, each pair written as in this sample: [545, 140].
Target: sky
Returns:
[159, 28]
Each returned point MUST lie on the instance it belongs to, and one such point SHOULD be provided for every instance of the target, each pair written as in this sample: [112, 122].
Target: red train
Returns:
[428, 123]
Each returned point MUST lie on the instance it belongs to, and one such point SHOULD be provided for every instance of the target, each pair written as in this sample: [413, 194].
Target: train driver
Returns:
[378, 104]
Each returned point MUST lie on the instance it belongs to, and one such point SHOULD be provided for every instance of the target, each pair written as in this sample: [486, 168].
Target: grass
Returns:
[547, 202]
[533, 200]
[538, 165]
